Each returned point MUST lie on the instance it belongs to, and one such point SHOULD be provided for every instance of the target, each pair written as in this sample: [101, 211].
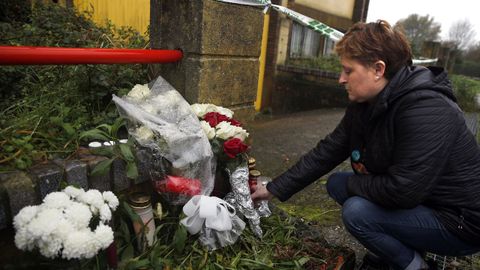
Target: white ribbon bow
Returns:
[214, 212]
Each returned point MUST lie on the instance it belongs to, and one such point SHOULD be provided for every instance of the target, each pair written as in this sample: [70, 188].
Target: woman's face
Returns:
[362, 83]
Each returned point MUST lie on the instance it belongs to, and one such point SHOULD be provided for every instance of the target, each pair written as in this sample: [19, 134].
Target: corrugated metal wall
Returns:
[134, 13]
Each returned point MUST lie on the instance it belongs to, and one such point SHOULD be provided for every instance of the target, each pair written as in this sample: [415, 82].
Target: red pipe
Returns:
[24, 55]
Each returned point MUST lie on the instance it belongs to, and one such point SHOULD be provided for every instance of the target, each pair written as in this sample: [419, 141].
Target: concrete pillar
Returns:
[221, 45]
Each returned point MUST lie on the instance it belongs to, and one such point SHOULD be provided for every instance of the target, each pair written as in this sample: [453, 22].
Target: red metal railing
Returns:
[23, 55]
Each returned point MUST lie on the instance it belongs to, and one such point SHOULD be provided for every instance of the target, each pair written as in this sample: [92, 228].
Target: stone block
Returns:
[20, 190]
[75, 172]
[100, 182]
[210, 27]
[47, 178]
[119, 175]
[5, 217]
[224, 82]
[144, 165]
[231, 29]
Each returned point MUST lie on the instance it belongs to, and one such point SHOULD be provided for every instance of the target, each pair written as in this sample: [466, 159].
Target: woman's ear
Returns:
[379, 67]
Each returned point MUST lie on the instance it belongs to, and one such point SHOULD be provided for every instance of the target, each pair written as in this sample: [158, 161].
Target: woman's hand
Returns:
[261, 194]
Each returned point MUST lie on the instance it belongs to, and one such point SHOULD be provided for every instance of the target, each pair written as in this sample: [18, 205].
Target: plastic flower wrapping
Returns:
[71, 224]
[161, 121]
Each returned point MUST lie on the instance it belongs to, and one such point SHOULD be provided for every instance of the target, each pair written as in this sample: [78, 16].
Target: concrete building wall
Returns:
[334, 7]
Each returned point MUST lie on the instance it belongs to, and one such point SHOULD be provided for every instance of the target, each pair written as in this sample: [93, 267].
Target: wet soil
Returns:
[278, 141]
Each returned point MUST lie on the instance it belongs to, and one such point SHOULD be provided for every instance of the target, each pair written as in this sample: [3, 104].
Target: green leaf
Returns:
[126, 152]
[124, 229]
[107, 127]
[127, 253]
[119, 122]
[103, 151]
[56, 120]
[138, 264]
[180, 238]
[131, 214]
[132, 170]
[102, 167]
[68, 129]
[95, 134]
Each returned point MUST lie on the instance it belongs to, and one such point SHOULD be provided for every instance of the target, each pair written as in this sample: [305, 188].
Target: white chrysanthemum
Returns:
[64, 228]
[50, 248]
[56, 200]
[93, 198]
[105, 213]
[208, 129]
[78, 214]
[79, 245]
[44, 223]
[104, 236]
[139, 92]
[24, 240]
[73, 191]
[143, 134]
[111, 199]
[24, 216]
[226, 131]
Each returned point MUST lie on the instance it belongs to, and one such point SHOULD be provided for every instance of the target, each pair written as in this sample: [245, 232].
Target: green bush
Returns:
[466, 90]
[468, 68]
[44, 108]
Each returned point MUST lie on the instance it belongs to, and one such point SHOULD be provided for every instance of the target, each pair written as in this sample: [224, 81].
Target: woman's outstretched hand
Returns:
[261, 194]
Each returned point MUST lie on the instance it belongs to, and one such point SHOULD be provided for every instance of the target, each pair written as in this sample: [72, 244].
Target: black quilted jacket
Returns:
[413, 147]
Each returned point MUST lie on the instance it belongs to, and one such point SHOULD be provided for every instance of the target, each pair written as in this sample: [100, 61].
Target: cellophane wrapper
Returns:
[163, 122]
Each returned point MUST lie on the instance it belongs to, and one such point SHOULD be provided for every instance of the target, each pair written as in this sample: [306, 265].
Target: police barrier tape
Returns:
[313, 24]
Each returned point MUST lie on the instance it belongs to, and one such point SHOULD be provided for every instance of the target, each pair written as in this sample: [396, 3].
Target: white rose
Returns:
[144, 134]
[139, 92]
[208, 129]
[199, 109]
[226, 131]
[227, 112]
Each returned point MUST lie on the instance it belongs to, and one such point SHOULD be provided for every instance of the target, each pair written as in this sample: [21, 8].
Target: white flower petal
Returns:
[111, 199]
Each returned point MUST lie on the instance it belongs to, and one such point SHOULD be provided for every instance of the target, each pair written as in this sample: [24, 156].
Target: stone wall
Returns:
[221, 44]
[19, 189]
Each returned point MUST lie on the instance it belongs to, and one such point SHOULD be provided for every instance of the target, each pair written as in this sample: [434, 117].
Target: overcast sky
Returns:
[444, 12]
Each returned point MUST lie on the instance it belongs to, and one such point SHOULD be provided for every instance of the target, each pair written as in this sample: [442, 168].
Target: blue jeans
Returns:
[396, 236]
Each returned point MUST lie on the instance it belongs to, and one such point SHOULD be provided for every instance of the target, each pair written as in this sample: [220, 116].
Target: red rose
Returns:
[234, 122]
[233, 147]
[213, 118]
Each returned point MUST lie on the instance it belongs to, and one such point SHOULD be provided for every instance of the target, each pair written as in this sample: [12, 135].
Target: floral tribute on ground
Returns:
[187, 154]
[71, 224]
[160, 121]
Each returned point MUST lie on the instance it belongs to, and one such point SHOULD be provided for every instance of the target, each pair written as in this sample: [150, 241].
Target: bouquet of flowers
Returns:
[160, 121]
[226, 134]
[227, 138]
[71, 224]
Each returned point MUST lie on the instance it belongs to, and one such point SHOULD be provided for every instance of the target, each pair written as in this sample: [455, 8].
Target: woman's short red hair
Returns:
[370, 42]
